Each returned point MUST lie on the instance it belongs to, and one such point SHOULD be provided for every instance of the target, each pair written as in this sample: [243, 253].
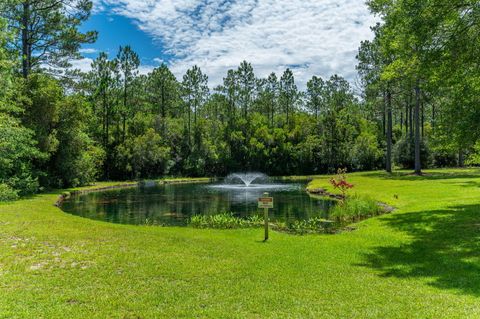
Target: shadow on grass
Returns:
[470, 184]
[445, 249]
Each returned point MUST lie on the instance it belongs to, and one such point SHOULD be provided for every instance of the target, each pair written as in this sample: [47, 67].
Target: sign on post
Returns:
[265, 202]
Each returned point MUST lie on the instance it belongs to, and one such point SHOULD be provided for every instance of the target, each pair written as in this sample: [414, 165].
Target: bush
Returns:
[366, 153]
[355, 208]
[404, 153]
[474, 157]
[444, 154]
[24, 183]
[7, 193]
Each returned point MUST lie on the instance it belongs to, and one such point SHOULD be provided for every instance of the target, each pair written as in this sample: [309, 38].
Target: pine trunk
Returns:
[26, 48]
[418, 166]
[388, 167]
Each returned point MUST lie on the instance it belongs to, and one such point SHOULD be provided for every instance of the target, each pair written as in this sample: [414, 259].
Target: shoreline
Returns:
[66, 194]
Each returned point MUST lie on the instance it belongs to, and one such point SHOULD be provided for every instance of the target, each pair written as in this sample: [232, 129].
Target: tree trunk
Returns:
[273, 110]
[407, 115]
[287, 114]
[384, 111]
[124, 126]
[411, 116]
[433, 117]
[163, 102]
[401, 121]
[26, 54]
[124, 115]
[423, 119]
[388, 167]
[418, 166]
[105, 114]
[461, 158]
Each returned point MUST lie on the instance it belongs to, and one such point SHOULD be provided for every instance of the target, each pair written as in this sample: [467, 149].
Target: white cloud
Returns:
[88, 51]
[83, 65]
[159, 60]
[145, 69]
[313, 37]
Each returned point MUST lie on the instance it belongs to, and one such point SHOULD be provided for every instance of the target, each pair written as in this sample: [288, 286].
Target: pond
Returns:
[174, 204]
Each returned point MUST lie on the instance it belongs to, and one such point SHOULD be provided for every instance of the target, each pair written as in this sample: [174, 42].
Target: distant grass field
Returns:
[422, 261]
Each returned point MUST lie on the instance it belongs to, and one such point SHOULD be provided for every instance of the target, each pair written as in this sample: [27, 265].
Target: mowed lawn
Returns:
[422, 261]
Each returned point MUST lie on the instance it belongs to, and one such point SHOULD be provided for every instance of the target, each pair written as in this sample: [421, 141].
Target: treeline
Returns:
[150, 125]
[421, 75]
[60, 128]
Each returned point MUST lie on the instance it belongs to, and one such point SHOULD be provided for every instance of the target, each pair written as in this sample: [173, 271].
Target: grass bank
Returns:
[421, 261]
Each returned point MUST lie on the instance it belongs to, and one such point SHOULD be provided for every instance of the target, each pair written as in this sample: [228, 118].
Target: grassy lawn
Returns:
[422, 261]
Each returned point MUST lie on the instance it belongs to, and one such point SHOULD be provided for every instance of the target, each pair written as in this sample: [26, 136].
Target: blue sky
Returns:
[115, 31]
[312, 37]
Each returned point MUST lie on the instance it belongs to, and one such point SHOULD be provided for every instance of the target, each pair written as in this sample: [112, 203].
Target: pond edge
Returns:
[65, 195]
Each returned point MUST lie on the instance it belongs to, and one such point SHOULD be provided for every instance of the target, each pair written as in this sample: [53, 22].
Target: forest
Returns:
[415, 104]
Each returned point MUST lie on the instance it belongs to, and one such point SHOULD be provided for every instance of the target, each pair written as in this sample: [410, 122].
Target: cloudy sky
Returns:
[312, 37]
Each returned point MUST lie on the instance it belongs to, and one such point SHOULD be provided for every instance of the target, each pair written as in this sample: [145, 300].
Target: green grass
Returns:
[422, 261]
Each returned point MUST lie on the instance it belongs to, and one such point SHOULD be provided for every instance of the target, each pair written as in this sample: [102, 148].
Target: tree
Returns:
[288, 93]
[315, 88]
[410, 26]
[18, 151]
[246, 86]
[163, 90]
[374, 56]
[128, 63]
[41, 114]
[47, 31]
[230, 90]
[271, 93]
[194, 92]
[145, 155]
[103, 82]
[78, 160]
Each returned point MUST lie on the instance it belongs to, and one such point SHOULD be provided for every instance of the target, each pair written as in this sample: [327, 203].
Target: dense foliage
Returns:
[421, 76]
[418, 107]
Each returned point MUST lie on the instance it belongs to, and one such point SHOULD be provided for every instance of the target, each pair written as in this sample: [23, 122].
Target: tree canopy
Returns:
[418, 105]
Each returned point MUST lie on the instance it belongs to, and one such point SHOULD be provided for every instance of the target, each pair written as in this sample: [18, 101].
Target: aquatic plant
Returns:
[355, 208]
[224, 221]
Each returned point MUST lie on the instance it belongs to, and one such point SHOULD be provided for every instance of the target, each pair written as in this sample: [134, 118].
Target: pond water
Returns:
[174, 204]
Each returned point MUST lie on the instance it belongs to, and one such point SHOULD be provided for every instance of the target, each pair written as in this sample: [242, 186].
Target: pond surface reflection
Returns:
[174, 204]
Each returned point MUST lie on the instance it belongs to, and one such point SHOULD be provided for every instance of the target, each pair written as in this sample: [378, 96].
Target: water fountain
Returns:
[248, 186]
[252, 183]
[246, 178]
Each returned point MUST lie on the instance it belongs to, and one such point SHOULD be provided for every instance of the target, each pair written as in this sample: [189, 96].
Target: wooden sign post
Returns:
[265, 202]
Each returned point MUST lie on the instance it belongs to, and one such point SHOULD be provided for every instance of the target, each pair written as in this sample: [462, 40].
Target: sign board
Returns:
[265, 202]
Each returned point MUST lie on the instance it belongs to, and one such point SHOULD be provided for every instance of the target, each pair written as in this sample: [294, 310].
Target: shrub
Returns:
[24, 183]
[355, 208]
[404, 153]
[366, 153]
[7, 193]
[474, 157]
[340, 182]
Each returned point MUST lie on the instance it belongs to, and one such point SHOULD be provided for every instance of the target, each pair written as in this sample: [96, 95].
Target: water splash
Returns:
[249, 185]
[246, 178]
